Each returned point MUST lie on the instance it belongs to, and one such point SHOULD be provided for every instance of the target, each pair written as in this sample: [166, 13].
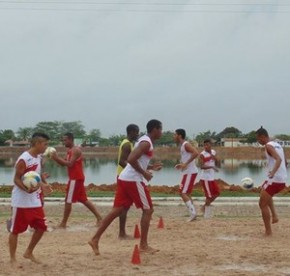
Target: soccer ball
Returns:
[49, 151]
[247, 183]
[31, 179]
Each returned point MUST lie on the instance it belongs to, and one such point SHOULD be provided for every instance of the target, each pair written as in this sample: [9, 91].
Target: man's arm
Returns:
[76, 153]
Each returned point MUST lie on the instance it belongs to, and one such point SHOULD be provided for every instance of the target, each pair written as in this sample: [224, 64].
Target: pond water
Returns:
[103, 171]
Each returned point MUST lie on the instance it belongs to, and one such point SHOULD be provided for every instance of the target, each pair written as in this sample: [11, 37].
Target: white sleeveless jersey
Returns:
[208, 174]
[129, 173]
[20, 198]
[281, 174]
[185, 155]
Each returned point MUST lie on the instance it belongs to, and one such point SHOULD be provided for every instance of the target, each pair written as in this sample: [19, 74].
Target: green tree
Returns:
[75, 127]
[93, 136]
[205, 135]
[230, 132]
[24, 133]
[6, 134]
[51, 128]
[251, 137]
[166, 139]
[283, 137]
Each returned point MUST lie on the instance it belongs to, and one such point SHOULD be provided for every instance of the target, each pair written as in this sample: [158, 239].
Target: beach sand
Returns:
[230, 243]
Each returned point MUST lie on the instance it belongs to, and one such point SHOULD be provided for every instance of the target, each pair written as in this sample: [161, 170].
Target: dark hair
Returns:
[132, 127]
[69, 135]
[181, 132]
[153, 124]
[262, 132]
[40, 135]
[207, 140]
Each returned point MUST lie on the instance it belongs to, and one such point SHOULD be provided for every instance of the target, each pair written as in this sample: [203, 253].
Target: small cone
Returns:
[160, 223]
[136, 256]
[136, 232]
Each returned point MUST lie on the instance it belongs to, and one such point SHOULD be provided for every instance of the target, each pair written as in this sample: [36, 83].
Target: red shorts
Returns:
[273, 188]
[210, 188]
[129, 192]
[187, 183]
[24, 217]
[76, 191]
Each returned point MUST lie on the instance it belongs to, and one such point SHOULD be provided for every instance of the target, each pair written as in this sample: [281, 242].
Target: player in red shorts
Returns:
[276, 181]
[75, 189]
[208, 162]
[188, 170]
[132, 189]
[27, 205]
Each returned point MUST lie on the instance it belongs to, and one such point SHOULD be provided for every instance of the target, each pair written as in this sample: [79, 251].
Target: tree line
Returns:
[55, 130]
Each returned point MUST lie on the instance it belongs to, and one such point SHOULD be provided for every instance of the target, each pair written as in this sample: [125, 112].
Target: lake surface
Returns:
[103, 171]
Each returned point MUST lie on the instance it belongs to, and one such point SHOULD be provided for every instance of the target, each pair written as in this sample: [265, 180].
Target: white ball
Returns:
[31, 179]
[247, 183]
[49, 151]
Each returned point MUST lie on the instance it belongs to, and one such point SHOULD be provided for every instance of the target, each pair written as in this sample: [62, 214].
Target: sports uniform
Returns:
[27, 208]
[207, 177]
[278, 182]
[125, 141]
[189, 174]
[75, 189]
[131, 187]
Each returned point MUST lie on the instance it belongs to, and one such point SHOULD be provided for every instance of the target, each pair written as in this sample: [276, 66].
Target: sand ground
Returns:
[231, 243]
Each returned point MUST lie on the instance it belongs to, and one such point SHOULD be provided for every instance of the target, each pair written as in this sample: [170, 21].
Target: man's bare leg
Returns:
[145, 223]
[13, 238]
[36, 236]
[94, 210]
[122, 225]
[275, 218]
[94, 242]
[66, 214]
[265, 210]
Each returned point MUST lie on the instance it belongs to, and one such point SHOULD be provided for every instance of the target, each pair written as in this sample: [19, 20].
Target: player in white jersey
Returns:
[208, 162]
[132, 189]
[27, 204]
[188, 169]
[276, 178]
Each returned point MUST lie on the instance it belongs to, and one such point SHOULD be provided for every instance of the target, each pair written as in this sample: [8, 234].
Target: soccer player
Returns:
[132, 189]
[276, 178]
[188, 169]
[75, 188]
[27, 204]
[208, 162]
[125, 149]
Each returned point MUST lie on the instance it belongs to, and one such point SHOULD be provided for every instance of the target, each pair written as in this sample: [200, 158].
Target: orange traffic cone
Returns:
[136, 256]
[160, 223]
[136, 232]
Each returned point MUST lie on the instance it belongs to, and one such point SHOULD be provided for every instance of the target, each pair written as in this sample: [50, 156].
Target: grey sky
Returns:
[197, 67]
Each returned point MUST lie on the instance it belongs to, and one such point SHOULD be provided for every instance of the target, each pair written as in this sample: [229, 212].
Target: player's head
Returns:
[68, 139]
[207, 144]
[39, 141]
[154, 128]
[181, 132]
[262, 136]
[132, 132]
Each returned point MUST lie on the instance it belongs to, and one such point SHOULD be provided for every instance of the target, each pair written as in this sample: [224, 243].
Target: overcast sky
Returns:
[198, 67]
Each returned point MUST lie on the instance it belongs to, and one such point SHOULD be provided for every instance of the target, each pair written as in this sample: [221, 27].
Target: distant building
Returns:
[12, 143]
[284, 144]
[233, 142]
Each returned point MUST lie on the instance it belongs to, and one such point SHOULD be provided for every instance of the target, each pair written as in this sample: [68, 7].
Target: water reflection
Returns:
[103, 171]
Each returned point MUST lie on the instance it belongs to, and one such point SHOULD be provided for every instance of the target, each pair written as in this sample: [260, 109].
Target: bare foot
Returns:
[268, 234]
[148, 250]
[31, 258]
[60, 226]
[274, 220]
[13, 262]
[192, 218]
[125, 237]
[95, 247]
